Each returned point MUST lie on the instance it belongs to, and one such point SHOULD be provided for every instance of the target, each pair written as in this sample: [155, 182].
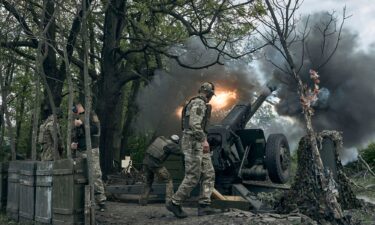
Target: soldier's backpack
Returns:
[156, 149]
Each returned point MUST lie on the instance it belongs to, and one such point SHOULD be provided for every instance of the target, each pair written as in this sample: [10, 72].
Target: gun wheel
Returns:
[278, 158]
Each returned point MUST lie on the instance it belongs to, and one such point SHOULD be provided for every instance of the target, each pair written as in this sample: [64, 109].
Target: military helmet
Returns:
[207, 87]
[175, 138]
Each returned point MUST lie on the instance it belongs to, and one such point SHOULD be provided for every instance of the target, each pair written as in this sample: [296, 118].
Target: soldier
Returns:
[156, 154]
[79, 145]
[46, 139]
[198, 165]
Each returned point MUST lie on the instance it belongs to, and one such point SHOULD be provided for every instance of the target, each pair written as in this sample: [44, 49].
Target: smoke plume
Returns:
[346, 98]
[162, 99]
[347, 82]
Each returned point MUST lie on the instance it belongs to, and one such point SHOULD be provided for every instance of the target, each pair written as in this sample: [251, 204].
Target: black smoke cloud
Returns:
[161, 100]
[350, 79]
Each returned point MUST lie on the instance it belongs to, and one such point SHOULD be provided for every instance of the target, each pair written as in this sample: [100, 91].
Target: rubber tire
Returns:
[273, 163]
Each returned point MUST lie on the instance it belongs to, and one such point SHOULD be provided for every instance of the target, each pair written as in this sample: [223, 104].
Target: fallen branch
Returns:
[366, 164]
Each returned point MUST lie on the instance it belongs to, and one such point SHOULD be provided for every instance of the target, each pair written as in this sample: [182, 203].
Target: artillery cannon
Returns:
[241, 155]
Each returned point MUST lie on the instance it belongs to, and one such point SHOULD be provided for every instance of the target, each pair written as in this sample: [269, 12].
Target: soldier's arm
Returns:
[197, 112]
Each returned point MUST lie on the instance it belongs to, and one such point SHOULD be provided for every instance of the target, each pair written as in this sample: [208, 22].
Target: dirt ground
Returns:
[132, 213]
[153, 214]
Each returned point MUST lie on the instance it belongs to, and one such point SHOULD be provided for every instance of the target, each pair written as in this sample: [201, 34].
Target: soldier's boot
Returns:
[102, 206]
[176, 210]
[204, 209]
[143, 199]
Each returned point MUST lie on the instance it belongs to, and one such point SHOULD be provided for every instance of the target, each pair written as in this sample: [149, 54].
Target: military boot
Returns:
[102, 207]
[176, 210]
[143, 201]
[204, 210]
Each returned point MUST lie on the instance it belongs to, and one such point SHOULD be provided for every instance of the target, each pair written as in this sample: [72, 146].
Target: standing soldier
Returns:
[198, 165]
[79, 145]
[156, 154]
[46, 138]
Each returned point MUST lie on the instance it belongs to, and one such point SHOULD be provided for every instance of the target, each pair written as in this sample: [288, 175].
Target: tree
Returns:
[135, 41]
[282, 32]
[21, 11]
[128, 40]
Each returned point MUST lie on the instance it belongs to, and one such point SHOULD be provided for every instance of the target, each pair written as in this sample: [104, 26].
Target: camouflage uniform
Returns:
[79, 137]
[155, 155]
[198, 165]
[45, 138]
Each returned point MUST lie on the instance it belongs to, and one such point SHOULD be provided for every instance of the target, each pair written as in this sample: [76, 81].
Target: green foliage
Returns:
[368, 154]
[137, 146]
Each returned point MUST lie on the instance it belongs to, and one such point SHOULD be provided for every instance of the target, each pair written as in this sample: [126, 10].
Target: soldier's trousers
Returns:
[47, 153]
[162, 175]
[198, 169]
[97, 173]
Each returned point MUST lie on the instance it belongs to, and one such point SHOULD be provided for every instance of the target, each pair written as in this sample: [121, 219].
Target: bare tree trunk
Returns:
[330, 200]
[70, 105]
[1, 124]
[88, 104]
[4, 84]
[42, 55]
[110, 83]
[20, 114]
[36, 114]
[49, 62]
[2, 133]
[11, 134]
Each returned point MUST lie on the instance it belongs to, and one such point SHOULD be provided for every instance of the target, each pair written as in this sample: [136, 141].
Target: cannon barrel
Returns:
[238, 117]
[265, 92]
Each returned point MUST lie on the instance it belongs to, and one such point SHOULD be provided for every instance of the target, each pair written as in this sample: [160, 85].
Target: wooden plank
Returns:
[216, 194]
[234, 198]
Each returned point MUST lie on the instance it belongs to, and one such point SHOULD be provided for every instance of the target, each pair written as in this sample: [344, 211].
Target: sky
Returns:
[361, 12]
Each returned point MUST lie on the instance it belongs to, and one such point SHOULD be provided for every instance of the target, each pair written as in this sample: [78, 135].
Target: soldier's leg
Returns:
[47, 153]
[164, 176]
[149, 175]
[207, 186]
[208, 180]
[193, 160]
[97, 173]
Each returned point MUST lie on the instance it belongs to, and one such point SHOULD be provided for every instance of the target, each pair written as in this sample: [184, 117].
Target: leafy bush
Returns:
[137, 146]
[368, 154]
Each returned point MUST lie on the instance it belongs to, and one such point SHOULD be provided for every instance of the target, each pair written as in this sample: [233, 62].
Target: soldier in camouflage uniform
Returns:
[156, 154]
[198, 165]
[46, 140]
[79, 145]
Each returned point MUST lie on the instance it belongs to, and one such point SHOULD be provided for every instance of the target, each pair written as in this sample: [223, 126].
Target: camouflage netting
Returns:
[307, 194]
[346, 198]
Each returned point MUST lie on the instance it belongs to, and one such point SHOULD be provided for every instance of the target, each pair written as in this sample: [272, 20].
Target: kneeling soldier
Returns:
[155, 155]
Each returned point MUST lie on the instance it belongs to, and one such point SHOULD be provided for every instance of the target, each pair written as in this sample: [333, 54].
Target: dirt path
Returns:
[153, 214]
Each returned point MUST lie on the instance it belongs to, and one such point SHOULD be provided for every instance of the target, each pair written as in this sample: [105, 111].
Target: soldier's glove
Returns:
[198, 136]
